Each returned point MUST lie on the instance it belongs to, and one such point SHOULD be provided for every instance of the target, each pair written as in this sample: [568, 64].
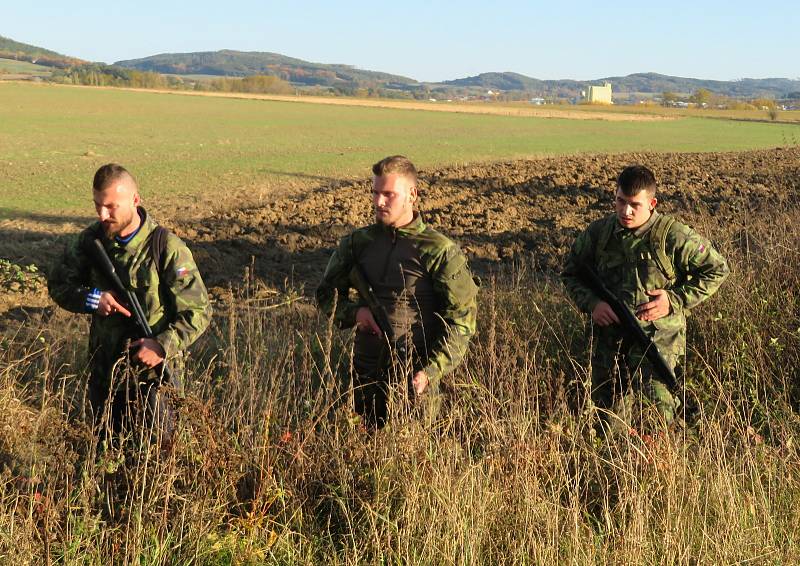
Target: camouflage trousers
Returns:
[629, 394]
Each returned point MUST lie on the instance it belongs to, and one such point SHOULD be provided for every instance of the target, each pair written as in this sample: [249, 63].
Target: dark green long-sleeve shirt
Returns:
[422, 280]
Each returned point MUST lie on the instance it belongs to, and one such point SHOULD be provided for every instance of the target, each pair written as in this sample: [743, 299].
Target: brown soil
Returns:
[501, 213]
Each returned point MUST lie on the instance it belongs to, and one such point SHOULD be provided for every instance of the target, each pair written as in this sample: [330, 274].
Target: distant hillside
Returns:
[243, 63]
[10, 49]
[746, 88]
[303, 73]
[346, 79]
[639, 82]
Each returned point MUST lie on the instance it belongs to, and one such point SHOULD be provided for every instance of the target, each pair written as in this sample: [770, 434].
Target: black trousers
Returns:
[139, 406]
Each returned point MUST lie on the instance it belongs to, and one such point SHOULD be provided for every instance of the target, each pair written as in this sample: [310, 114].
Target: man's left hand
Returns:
[658, 307]
[420, 382]
[148, 352]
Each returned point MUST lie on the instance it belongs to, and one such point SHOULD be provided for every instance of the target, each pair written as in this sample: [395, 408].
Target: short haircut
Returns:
[109, 173]
[635, 179]
[395, 164]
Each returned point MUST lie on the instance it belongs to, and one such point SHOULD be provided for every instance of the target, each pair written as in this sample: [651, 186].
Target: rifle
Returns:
[630, 325]
[361, 284]
[136, 308]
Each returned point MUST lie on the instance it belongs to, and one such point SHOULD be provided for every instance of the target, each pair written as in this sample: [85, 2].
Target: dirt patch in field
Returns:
[502, 213]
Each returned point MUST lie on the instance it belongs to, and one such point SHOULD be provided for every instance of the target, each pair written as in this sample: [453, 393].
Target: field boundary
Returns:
[455, 107]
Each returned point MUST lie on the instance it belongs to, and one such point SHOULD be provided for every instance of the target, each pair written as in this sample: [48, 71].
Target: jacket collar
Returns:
[416, 226]
[142, 236]
[641, 230]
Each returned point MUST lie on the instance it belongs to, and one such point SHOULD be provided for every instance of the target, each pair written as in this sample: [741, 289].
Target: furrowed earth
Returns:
[502, 213]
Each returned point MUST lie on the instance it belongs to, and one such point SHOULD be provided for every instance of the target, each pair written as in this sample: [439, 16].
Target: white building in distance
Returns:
[599, 94]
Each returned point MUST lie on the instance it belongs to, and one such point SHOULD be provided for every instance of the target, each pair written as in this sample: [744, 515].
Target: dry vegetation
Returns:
[271, 467]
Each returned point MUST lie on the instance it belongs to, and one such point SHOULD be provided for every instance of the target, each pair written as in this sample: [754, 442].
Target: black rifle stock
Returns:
[130, 297]
[365, 291]
[629, 324]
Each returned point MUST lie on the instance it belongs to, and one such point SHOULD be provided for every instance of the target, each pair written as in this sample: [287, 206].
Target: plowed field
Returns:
[502, 212]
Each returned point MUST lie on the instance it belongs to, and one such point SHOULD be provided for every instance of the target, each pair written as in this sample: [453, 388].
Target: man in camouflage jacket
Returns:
[169, 289]
[422, 281]
[660, 269]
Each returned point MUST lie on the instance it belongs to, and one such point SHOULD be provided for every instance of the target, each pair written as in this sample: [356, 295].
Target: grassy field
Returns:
[229, 150]
[788, 116]
[271, 468]
[23, 67]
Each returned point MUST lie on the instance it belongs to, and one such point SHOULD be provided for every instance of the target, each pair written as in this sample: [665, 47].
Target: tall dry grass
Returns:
[271, 467]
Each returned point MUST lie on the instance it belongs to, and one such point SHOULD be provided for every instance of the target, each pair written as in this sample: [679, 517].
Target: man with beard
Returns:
[127, 369]
[420, 283]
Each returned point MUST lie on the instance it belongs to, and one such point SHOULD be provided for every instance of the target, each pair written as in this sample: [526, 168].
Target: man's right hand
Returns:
[365, 322]
[110, 305]
[604, 315]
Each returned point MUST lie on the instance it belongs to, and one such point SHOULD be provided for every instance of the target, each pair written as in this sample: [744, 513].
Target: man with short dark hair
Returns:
[421, 281]
[159, 269]
[657, 267]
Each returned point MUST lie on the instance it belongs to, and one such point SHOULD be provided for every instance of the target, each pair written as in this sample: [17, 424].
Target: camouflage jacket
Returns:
[630, 264]
[422, 280]
[172, 295]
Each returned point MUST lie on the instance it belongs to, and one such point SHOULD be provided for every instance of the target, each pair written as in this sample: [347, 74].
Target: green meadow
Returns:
[13, 66]
[182, 148]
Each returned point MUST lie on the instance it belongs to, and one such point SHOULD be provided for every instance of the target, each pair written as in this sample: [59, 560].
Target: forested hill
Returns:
[347, 79]
[303, 73]
[244, 63]
[10, 49]
[637, 82]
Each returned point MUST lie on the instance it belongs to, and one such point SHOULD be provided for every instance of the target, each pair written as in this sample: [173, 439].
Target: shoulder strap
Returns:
[158, 247]
[658, 245]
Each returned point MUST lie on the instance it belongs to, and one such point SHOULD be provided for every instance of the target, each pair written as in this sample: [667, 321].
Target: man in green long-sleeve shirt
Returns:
[660, 269]
[159, 269]
[419, 277]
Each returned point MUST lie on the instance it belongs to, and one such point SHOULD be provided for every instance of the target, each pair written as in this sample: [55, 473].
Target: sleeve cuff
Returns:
[92, 300]
[591, 303]
[348, 318]
[433, 373]
[675, 301]
[168, 342]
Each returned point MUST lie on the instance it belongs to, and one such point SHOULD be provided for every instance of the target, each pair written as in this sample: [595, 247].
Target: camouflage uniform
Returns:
[661, 254]
[173, 298]
[423, 281]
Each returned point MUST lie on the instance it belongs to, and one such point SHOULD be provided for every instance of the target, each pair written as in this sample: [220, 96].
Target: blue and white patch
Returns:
[182, 272]
[92, 300]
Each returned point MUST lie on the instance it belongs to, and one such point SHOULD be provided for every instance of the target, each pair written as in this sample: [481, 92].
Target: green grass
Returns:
[53, 138]
[23, 67]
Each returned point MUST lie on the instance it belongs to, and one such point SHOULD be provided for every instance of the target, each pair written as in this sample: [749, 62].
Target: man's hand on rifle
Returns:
[604, 315]
[657, 308]
[420, 382]
[109, 305]
[365, 322]
[148, 352]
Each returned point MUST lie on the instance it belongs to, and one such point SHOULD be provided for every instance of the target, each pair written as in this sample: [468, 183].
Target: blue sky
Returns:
[433, 40]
